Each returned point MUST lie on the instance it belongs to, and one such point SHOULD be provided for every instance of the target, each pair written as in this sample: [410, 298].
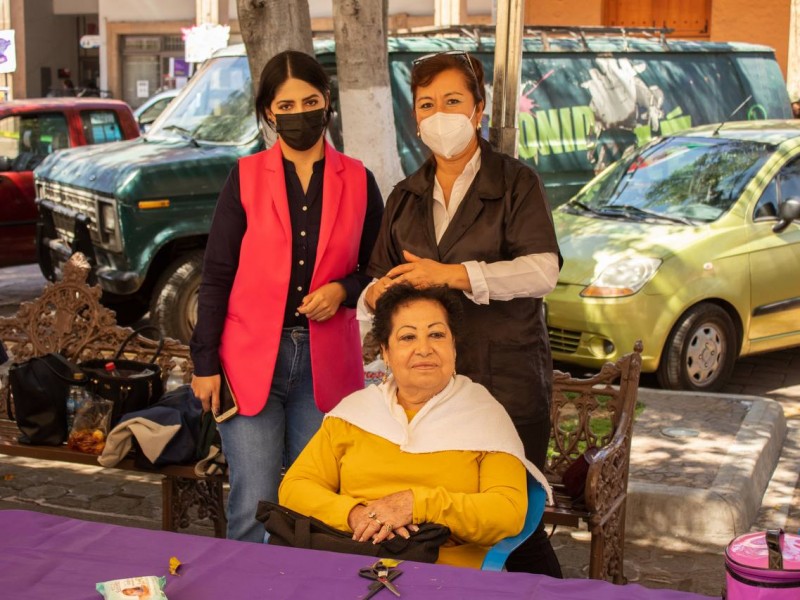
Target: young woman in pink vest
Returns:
[284, 267]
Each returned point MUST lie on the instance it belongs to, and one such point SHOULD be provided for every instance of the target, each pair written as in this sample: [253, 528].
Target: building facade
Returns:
[131, 48]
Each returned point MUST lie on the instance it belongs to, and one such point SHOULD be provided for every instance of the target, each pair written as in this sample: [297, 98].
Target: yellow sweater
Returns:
[480, 496]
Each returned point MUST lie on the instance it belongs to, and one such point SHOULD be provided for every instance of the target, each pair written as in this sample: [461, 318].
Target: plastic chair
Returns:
[496, 557]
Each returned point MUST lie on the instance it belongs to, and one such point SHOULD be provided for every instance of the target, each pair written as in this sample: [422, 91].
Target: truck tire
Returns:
[700, 351]
[173, 308]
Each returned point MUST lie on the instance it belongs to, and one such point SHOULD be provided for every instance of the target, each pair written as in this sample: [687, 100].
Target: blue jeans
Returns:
[257, 448]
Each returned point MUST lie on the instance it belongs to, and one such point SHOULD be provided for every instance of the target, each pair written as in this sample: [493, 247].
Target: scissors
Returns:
[383, 576]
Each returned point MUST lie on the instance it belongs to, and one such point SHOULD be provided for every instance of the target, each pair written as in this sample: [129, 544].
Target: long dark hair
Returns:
[290, 64]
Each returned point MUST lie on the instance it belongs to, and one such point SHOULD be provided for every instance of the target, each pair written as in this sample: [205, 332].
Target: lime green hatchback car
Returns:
[691, 244]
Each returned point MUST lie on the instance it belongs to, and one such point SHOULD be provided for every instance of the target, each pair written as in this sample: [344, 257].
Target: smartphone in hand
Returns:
[228, 406]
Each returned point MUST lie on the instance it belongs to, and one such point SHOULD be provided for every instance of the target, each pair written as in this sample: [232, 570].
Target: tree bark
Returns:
[365, 94]
[272, 26]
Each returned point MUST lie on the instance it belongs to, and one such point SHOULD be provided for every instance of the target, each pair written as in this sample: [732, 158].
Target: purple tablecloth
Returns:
[45, 557]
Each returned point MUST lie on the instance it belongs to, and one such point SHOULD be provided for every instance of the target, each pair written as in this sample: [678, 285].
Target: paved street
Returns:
[134, 499]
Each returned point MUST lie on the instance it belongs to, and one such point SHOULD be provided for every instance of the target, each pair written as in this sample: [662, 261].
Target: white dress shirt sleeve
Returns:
[530, 276]
[363, 312]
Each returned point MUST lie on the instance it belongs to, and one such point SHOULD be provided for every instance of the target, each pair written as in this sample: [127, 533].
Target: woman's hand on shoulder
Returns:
[206, 389]
[321, 304]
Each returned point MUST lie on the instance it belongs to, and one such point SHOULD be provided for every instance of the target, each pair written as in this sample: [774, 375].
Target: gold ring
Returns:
[378, 521]
[371, 515]
[387, 527]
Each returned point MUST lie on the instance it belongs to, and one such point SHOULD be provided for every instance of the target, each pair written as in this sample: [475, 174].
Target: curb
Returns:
[680, 517]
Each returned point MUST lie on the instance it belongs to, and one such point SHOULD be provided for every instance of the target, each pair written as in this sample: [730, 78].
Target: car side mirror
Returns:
[144, 124]
[789, 211]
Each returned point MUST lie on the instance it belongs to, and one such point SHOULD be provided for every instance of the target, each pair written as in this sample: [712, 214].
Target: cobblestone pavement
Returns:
[135, 499]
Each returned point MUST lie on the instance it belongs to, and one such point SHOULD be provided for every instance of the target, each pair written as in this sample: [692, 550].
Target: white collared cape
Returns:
[463, 416]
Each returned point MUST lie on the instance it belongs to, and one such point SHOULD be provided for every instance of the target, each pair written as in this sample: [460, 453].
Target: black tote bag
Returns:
[289, 528]
[135, 386]
[40, 387]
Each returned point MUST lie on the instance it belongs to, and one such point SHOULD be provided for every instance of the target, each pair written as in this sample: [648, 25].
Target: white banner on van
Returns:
[8, 51]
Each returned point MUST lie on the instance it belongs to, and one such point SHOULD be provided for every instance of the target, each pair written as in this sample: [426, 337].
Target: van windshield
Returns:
[216, 106]
[675, 179]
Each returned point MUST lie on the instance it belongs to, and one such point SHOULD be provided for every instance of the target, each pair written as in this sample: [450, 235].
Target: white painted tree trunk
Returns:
[365, 95]
[793, 66]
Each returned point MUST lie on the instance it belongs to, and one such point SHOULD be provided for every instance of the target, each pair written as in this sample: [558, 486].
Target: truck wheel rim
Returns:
[705, 354]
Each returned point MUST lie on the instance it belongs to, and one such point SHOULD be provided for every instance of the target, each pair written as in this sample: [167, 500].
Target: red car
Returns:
[29, 131]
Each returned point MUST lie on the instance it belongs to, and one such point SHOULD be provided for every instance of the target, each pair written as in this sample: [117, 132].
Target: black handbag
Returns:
[133, 385]
[289, 528]
[40, 387]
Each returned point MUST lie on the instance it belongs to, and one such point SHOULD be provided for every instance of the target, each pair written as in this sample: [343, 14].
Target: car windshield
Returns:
[675, 179]
[216, 106]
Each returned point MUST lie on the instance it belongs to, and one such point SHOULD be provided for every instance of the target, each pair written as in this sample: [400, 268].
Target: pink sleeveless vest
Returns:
[250, 339]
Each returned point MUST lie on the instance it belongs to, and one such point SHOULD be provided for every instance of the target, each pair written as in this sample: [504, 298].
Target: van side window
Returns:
[786, 184]
[101, 126]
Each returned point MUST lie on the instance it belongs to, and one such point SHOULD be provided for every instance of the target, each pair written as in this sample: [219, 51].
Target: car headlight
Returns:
[623, 277]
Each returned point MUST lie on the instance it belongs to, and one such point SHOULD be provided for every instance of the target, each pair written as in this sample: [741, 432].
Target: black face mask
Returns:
[301, 130]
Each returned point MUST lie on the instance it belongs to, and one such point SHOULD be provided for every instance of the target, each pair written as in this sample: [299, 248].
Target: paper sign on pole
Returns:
[8, 51]
[201, 41]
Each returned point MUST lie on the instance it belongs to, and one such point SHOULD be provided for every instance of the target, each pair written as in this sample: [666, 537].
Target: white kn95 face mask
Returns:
[447, 134]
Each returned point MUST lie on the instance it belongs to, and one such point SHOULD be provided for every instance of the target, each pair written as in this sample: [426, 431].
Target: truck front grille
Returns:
[70, 202]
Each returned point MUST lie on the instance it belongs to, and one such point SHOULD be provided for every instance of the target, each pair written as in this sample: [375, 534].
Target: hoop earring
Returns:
[386, 374]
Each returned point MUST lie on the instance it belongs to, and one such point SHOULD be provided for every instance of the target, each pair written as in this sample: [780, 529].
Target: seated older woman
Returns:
[427, 445]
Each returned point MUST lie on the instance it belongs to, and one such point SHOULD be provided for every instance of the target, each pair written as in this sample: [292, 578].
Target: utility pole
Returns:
[449, 12]
[507, 72]
[213, 12]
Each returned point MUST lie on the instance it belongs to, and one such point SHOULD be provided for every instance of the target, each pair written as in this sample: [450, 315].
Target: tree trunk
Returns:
[365, 95]
[272, 26]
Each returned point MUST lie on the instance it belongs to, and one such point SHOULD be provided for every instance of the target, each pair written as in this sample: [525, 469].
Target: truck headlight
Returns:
[108, 218]
[623, 277]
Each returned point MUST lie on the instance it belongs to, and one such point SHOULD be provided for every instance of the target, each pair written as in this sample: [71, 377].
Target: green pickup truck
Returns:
[141, 210]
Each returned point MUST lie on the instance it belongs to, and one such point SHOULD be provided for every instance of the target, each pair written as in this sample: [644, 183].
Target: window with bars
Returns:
[137, 43]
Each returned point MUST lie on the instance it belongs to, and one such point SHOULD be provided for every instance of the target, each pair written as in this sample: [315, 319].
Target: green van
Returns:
[141, 210]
